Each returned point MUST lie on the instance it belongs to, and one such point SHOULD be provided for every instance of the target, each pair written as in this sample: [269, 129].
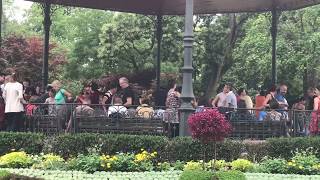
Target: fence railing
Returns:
[75, 118]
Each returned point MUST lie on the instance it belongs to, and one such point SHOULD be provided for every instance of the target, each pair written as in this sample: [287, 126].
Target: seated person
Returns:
[144, 110]
[83, 109]
[117, 110]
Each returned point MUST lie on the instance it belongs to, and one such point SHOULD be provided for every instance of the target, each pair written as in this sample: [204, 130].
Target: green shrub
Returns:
[169, 150]
[274, 166]
[229, 175]
[241, 165]
[196, 174]
[285, 147]
[304, 162]
[4, 174]
[165, 166]
[191, 165]
[49, 162]
[31, 143]
[178, 165]
[15, 160]
[90, 163]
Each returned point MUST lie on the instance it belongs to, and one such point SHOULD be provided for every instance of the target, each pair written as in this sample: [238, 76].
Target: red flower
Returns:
[209, 126]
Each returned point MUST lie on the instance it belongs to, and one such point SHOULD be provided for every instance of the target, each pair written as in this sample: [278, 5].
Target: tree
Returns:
[24, 56]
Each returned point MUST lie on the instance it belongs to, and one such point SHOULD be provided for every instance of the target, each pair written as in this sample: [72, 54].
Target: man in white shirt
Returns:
[220, 99]
[231, 100]
[13, 97]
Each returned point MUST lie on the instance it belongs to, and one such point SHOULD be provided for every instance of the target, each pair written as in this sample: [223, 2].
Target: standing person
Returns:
[271, 101]
[94, 93]
[299, 115]
[2, 110]
[2, 105]
[127, 94]
[51, 103]
[259, 102]
[2, 79]
[171, 115]
[309, 98]
[13, 96]
[220, 99]
[283, 103]
[314, 123]
[61, 97]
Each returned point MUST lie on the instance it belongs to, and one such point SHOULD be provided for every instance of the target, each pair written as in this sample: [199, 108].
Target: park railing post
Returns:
[187, 88]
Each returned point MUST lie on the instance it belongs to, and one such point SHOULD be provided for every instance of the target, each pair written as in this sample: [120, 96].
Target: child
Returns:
[51, 101]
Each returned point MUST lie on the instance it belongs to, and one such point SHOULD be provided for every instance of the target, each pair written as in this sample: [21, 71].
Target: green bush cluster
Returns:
[209, 175]
[303, 162]
[169, 150]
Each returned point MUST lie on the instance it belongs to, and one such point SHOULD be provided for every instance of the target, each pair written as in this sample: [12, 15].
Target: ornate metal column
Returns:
[187, 69]
[46, 25]
[159, 38]
[274, 31]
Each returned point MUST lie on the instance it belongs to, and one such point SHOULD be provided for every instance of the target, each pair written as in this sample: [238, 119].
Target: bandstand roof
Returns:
[177, 7]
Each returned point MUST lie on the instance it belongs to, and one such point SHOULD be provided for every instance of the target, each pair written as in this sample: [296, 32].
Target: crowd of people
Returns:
[272, 105]
[121, 100]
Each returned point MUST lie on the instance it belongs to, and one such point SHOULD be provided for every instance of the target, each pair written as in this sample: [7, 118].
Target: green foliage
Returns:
[48, 162]
[178, 165]
[191, 165]
[29, 142]
[275, 166]
[304, 162]
[285, 147]
[15, 160]
[4, 174]
[79, 175]
[165, 166]
[90, 163]
[229, 175]
[241, 165]
[199, 174]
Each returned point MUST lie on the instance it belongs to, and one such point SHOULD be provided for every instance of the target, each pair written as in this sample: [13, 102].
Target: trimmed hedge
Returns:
[284, 147]
[180, 148]
[31, 143]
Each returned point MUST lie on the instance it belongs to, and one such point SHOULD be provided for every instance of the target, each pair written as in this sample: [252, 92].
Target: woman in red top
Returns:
[314, 124]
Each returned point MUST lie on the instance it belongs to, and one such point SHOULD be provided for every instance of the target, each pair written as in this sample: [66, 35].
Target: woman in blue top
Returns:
[61, 98]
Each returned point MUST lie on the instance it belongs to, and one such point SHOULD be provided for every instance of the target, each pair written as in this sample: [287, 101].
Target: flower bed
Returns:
[80, 175]
[168, 175]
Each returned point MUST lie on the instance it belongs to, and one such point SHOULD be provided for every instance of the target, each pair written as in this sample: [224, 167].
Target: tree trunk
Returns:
[214, 80]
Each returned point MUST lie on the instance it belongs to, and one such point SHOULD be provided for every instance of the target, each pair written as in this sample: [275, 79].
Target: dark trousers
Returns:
[14, 121]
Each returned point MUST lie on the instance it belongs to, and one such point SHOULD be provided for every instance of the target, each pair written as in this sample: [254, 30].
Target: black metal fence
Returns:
[75, 118]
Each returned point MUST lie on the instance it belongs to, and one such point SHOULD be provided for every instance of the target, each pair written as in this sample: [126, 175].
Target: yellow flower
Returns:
[300, 167]
[108, 165]
[290, 163]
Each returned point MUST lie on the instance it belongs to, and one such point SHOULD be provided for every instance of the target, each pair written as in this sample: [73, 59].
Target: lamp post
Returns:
[46, 25]
[187, 88]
